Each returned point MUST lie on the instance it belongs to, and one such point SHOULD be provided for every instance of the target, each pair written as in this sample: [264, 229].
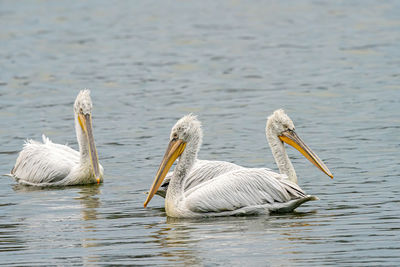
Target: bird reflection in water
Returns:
[89, 202]
[184, 240]
[178, 243]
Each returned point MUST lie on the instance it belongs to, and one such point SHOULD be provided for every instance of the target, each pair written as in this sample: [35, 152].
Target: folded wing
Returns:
[242, 188]
[44, 162]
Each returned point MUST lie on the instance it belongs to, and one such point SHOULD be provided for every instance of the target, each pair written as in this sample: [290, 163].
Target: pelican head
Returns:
[186, 135]
[188, 129]
[279, 122]
[280, 125]
[83, 112]
[83, 103]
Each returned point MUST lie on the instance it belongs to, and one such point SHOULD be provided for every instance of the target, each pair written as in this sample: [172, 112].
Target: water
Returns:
[334, 67]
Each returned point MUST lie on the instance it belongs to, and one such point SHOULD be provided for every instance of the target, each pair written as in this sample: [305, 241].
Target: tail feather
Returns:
[12, 176]
[293, 204]
[45, 139]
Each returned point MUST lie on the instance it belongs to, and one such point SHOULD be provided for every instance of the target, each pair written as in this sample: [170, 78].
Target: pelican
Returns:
[241, 190]
[50, 164]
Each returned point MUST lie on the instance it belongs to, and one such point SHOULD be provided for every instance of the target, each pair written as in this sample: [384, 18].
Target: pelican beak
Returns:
[85, 121]
[174, 150]
[291, 138]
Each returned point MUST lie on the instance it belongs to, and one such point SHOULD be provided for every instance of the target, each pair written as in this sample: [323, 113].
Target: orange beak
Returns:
[85, 121]
[291, 138]
[174, 150]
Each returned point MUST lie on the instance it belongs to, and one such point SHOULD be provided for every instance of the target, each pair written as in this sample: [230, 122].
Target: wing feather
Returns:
[44, 162]
[241, 188]
[202, 171]
[205, 170]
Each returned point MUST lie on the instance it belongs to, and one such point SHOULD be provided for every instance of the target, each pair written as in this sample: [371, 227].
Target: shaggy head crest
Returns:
[187, 128]
[83, 102]
[279, 122]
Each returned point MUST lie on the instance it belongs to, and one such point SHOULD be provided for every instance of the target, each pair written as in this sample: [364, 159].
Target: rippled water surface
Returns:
[332, 65]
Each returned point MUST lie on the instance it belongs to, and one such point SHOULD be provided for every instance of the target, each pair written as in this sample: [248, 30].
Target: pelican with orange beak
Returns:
[240, 191]
[49, 164]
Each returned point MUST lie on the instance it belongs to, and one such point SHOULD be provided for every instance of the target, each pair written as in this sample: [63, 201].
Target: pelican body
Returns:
[50, 164]
[236, 191]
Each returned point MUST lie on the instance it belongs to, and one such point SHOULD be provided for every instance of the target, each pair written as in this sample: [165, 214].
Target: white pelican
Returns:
[49, 164]
[240, 191]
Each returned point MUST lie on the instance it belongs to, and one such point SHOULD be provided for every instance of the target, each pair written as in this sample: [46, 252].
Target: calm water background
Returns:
[334, 67]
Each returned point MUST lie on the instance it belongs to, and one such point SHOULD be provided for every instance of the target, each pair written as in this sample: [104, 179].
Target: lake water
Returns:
[332, 65]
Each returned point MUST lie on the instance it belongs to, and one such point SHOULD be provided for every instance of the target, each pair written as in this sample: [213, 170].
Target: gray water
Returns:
[332, 65]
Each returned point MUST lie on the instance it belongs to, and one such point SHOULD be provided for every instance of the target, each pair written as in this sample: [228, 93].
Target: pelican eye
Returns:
[175, 136]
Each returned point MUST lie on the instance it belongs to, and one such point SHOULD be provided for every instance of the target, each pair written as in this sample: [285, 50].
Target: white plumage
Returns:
[202, 170]
[50, 164]
[197, 188]
[244, 191]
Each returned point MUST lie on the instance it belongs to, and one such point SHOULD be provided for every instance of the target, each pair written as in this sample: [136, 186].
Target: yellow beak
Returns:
[85, 121]
[174, 150]
[291, 138]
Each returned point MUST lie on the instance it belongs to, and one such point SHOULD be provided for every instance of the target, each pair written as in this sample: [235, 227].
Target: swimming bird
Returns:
[50, 164]
[240, 191]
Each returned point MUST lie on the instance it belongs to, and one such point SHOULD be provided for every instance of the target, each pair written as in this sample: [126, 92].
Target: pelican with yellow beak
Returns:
[50, 164]
[240, 191]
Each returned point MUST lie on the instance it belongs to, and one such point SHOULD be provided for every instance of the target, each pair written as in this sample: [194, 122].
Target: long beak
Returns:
[85, 120]
[174, 150]
[291, 138]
